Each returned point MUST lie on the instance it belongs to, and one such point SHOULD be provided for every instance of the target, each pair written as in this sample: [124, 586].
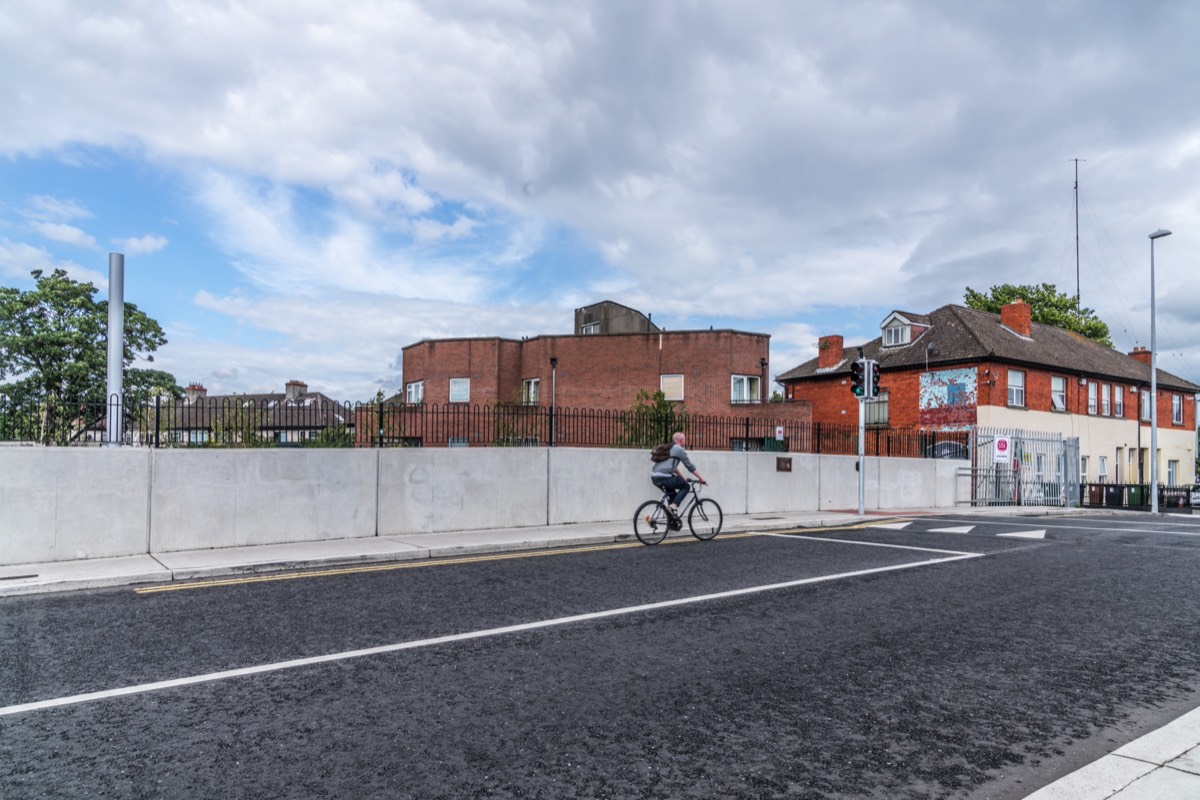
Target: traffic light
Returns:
[858, 383]
[872, 380]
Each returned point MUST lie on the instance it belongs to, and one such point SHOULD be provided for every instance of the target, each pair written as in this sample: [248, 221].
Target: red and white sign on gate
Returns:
[1001, 453]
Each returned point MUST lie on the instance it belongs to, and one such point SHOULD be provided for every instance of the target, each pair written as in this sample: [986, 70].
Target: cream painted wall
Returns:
[1103, 436]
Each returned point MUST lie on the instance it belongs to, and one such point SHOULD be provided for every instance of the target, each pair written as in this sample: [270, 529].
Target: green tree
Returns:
[54, 348]
[54, 339]
[651, 419]
[1047, 305]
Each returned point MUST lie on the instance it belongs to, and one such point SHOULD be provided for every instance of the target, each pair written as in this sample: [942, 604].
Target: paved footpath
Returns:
[1162, 765]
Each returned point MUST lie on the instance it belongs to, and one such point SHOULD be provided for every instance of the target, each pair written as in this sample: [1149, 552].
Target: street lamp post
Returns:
[1158, 234]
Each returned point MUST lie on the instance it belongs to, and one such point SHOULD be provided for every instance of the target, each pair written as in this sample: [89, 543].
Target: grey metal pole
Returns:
[116, 349]
[862, 457]
[1158, 234]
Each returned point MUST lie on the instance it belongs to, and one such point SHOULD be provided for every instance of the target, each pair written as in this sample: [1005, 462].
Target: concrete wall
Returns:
[65, 503]
[227, 498]
[58, 504]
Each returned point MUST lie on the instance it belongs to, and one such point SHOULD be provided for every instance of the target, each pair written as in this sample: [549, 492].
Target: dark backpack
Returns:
[661, 452]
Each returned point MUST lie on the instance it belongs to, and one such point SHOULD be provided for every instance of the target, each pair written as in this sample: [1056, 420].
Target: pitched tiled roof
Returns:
[964, 335]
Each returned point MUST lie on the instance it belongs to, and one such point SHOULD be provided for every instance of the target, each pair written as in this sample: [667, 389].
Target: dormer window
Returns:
[896, 334]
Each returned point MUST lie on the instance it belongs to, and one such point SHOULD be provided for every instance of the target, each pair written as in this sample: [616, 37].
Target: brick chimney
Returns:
[1016, 316]
[829, 351]
[194, 392]
[293, 390]
[1141, 354]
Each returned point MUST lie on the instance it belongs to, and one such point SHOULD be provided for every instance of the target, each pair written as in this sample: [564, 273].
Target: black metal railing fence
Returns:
[249, 422]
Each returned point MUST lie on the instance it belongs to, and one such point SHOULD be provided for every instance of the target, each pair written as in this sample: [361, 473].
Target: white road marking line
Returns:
[1025, 534]
[871, 544]
[893, 526]
[959, 529]
[210, 677]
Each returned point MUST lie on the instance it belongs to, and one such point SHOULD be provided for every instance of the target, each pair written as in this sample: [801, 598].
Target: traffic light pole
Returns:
[862, 456]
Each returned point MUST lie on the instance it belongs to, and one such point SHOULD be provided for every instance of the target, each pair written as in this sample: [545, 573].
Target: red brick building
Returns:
[707, 372]
[957, 368]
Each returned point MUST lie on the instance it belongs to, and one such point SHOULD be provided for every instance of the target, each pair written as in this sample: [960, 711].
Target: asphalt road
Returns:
[947, 664]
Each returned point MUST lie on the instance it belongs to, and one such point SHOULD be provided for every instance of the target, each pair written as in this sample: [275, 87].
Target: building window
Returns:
[1146, 404]
[671, 386]
[1176, 410]
[1092, 404]
[895, 334]
[876, 411]
[460, 390]
[1083, 469]
[1058, 393]
[458, 441]
[531, 391]
[1103, 465]
[590, 328]
[1106, 399]
[1118, 401]
[415, 392]
[744, 389]
[1016, 387]
[1172, 472]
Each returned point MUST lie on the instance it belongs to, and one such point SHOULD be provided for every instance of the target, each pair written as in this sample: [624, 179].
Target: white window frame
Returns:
[590, 329]
[1105, 400]
[1083, 469]
[1093, 404]
[750, 386]
[531, 391]
[896, 335]
[1103, 468]
[414, 393]
[1172, 472]
[1145, 394]
[1016, 388]
[1118, 401]
[876, 411]
[672, 387]
[1058, 393]
[460, 390]
[1176, 410]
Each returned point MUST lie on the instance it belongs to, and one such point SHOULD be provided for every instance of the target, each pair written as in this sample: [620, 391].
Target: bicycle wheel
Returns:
[651, 522]
[705, 519]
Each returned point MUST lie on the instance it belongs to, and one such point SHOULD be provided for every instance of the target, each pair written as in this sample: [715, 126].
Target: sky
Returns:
[300, 189]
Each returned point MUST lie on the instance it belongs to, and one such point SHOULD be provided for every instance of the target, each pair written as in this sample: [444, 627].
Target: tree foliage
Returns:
[650, 420]
[1047, 305]
[54, 344]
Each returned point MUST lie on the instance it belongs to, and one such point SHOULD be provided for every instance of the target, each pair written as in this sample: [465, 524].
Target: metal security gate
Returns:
[1042, 469]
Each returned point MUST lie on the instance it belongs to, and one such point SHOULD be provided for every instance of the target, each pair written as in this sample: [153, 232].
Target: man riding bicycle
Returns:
[667, 476]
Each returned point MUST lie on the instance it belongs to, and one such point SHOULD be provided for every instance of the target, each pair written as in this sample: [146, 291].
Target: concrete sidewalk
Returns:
[1162, 765]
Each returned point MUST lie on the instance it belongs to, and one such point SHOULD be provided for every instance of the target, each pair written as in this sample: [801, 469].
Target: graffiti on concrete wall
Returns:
[948, 399]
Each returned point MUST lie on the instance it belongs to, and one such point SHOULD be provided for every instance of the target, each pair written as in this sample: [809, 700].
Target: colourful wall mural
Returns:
[948, 399]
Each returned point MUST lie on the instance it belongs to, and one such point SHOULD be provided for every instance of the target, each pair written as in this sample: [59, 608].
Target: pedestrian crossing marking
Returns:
[1026, 534]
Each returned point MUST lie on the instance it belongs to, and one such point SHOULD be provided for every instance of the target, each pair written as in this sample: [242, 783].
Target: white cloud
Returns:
[67, 234]
[763, 160]
[141, 245]
[18, 259]
[54, 209]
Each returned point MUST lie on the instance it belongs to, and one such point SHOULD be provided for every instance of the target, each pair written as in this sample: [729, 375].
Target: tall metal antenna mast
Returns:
[1077, 160]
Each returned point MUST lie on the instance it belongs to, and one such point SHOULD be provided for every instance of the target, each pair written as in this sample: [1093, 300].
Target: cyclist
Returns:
[666, 475]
